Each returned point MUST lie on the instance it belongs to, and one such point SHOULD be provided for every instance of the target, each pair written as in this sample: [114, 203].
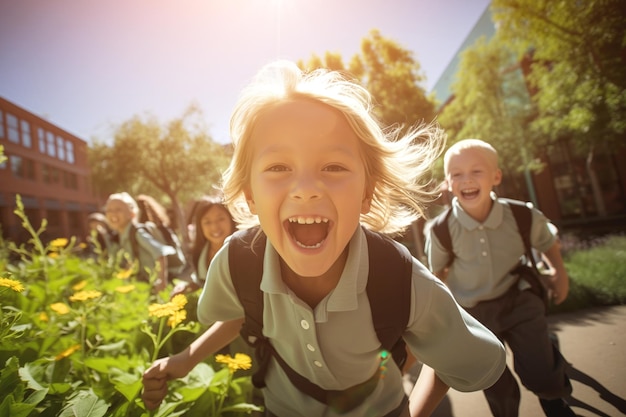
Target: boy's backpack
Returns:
[523, 218]
[175, 262]
[388, 290]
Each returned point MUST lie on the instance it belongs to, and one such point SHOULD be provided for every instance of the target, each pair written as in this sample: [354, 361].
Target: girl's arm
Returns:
[155, 378]
[427, 393]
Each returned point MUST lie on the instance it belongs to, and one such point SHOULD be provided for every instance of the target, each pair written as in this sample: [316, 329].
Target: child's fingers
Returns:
[155, 389]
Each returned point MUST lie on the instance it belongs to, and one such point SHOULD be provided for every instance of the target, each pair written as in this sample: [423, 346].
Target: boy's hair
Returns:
[488, 150]
[126, 198]
[394, 165]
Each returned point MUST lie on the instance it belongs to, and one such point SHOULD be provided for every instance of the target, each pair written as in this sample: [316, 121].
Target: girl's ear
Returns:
[250, 200]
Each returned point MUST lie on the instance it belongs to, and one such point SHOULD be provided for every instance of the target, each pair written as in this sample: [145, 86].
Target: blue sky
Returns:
[88, 66]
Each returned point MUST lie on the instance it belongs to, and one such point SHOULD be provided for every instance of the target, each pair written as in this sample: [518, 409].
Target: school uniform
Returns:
[335, 346]
[480, 279]
[149, 247]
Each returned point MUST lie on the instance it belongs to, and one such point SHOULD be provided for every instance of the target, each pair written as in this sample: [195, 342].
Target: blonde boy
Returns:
[487, 246]
[121, 212]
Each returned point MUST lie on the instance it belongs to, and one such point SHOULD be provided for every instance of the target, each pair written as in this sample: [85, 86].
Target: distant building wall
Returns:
[48, 167]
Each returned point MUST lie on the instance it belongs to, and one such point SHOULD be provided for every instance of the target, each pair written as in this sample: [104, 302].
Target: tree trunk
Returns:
[595, 185]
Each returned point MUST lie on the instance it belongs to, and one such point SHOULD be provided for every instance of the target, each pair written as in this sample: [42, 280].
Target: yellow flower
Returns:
[125, 288]
[179, 300]
[53, 255]
[59, 242]
[177, 318]
[240, 361]
[43, 316]
[85, 295]
[82, 245]
[162, 310]
[11, 283]
[60, 308]
[80, 285]
[124, 273]
[67, 352]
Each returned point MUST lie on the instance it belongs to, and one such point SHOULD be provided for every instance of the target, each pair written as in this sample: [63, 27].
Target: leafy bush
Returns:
[77, 334]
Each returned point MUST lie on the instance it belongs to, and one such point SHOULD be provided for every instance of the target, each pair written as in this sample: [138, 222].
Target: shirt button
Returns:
[304, 324]
[318, 364]
[484, 253]
[310, 347]
[480, 227]
[482, 240]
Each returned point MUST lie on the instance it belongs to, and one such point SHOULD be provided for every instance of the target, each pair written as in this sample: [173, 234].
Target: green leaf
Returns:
[84, 404]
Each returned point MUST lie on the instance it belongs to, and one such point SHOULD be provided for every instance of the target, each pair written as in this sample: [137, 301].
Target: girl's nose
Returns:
[305, 187]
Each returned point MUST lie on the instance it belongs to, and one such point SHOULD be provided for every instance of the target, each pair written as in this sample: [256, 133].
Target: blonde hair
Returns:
[125, 198]
[394, 165]
[462, 145]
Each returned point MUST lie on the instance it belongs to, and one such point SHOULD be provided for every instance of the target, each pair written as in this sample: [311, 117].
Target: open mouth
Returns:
[470, 193]
[308, 232]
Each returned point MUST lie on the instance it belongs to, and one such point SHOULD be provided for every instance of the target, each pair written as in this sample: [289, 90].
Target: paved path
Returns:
[594, 342]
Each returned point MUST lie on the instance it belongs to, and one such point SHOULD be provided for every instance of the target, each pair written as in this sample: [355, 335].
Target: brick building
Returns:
[48, 167]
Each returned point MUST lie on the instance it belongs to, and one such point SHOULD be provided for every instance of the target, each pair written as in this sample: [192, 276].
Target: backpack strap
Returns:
[523, 218]
[245, 256]
[441, 229]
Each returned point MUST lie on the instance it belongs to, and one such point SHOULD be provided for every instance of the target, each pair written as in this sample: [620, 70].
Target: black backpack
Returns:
[527, 269]
[388, 290]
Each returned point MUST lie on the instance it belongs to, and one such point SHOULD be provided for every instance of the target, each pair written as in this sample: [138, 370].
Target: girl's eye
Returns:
[334, 168]
[277, 168]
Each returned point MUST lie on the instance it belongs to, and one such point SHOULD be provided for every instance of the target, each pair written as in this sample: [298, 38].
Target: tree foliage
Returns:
[579, 65]
[177, 161]
[391, 74]
[492, 103]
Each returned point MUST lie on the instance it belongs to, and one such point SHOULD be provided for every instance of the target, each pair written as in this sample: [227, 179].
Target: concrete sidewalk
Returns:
[594, 343]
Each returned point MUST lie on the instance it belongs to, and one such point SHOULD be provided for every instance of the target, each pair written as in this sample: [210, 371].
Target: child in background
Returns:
[212, 224]
[313, 167]
[121, 212]
[487, 248]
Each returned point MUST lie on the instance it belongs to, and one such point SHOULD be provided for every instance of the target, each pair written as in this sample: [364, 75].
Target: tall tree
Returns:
[578, 73]
[178, 160]
[491, 102]
[391, 75]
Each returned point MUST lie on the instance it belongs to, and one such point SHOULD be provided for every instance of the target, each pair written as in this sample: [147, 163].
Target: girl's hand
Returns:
[156, 377]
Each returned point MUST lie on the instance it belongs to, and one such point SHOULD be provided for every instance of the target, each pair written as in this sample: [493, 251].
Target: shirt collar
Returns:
[353, 279]
[493, 221]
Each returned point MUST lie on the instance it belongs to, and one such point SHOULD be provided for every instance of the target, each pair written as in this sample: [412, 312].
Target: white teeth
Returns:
[317, 245]
[308, 220]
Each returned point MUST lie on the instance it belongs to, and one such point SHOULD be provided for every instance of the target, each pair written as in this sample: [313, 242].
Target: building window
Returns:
[69, 151]
[14, 134]
[26, 139]
[22, 167]
[1, 125]
[61, 148]
[41, 134]
[51, 144]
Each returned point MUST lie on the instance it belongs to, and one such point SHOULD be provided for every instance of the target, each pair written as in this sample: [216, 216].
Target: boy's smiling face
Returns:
[307, 183]
[118, 214]
[471, 178]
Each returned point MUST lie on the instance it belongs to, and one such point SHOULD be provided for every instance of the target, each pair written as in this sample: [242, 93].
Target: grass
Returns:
[597, 272]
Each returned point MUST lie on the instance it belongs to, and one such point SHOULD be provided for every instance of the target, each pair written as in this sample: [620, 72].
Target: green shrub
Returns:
[597, 274]
[77, 334]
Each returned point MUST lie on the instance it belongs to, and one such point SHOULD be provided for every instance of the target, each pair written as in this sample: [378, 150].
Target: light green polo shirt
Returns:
[335, 344]
[149, 247]
[484, 253]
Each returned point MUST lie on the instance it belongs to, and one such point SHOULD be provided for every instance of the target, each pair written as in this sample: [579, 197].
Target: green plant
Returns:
[76, 335]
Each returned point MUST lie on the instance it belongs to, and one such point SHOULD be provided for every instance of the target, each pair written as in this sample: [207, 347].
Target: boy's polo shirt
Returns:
[335, 344]
[485, 253]
[149, 248]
